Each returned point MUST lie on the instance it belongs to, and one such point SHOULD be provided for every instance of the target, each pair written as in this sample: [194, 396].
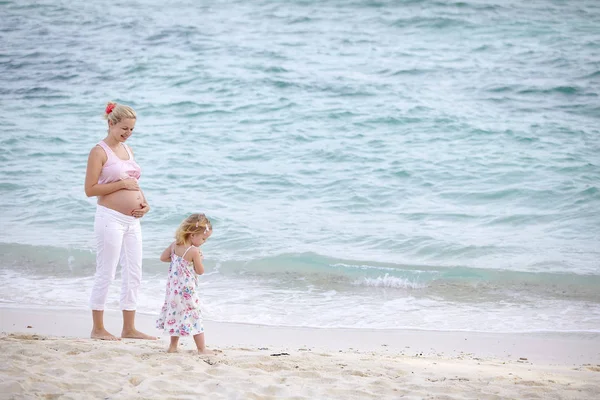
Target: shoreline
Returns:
[49, 354]
[545, 347]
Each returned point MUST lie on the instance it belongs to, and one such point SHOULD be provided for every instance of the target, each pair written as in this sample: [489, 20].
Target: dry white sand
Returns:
[46, 354]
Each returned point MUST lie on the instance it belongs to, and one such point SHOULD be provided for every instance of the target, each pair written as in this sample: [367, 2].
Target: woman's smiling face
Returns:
[122, 130]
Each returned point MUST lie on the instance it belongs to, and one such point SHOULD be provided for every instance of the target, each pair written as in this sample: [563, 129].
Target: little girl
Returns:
[180, 314]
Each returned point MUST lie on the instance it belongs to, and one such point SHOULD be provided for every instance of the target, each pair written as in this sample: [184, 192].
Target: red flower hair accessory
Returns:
[110, 107]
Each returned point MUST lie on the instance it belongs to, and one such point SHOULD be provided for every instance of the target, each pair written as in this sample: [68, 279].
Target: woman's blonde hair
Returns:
[195, 223]
[116, 112]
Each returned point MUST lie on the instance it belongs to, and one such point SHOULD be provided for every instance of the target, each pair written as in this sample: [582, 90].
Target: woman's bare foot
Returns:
[103, 334]
[135, 334]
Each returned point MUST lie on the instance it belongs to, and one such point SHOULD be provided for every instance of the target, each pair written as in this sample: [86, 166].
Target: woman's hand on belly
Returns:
[140, 212]
[130, 184]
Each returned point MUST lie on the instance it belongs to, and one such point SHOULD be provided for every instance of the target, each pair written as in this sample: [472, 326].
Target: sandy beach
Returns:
[48, 355]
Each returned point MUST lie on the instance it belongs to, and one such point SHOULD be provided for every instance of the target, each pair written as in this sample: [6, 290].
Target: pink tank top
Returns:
[116, 169]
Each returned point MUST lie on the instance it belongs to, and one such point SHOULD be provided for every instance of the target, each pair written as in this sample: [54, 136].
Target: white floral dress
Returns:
[180, 314]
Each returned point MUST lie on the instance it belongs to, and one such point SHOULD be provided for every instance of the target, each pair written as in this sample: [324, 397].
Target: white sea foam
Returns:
[388, 281]
[265, 302]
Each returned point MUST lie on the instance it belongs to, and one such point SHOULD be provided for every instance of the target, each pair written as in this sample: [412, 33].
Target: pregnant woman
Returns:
[112, 175]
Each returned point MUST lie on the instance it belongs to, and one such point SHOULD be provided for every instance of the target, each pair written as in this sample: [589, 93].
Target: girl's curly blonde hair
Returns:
[195, 223]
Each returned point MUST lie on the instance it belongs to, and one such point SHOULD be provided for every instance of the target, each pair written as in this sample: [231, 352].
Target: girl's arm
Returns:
[197, 259]
[166, 254]
[94, 168]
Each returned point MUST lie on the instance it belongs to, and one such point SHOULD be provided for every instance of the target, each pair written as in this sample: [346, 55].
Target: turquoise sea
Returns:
[370, 164]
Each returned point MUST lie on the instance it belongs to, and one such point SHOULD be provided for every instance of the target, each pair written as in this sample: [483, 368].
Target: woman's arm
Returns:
[166, 254]
[144, 206]
[94, 168]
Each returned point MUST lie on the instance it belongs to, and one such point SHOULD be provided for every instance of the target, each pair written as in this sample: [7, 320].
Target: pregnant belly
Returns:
[123, 201]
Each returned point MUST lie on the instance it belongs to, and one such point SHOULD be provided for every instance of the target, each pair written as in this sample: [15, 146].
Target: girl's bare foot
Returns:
[103, 334]
[135, 334]
[206, 352]
[172, 349]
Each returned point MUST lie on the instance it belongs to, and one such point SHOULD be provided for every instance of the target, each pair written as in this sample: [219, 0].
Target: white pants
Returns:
[118, 241]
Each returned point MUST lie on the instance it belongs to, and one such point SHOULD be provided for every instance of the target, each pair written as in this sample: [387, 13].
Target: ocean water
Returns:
[368, 164]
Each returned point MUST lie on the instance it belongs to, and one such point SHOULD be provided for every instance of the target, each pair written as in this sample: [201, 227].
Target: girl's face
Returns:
[198, 239]
[121, 130]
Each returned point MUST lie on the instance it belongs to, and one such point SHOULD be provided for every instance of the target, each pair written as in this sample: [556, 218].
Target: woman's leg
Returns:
[98, 330]
[131, 274]
[131, 266]
[109, 237]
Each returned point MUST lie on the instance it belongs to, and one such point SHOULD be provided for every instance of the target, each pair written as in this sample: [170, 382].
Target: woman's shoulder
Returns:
[98, 152]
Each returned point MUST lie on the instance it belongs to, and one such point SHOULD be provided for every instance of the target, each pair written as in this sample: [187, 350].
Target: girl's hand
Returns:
[140, 212]
[130, 184]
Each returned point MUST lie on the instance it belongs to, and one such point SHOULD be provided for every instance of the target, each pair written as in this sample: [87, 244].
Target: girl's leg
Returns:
[173, 345]
[131, 275]
[200, 345]
[109, 236]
